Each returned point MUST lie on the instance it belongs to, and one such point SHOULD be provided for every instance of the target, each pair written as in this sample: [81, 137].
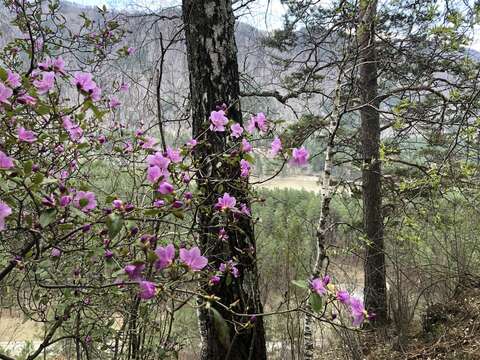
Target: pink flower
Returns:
[96, 94]
[318, 286]
[358, 311]
[236, 130]
[117, 204]
[218, 120]
[158, 167]
[148, 290]
[75, 131]
[149, 143]
[245, 210]
[193, 258]
[5, 161]
[275, 147]
[214, 280]
[229, 267]
[5, 211]
[124, 87]
[46, 83]
[26, 99]
[114, 103]
[5, 93]
[165, 256]
[222, 235]
[134, 271]
[56, 252]
[165, 188]
[226, 202]
[159, 203]
[85, 201]
[257, 122]
[26, 135]
[246, 146]
[244, 168]
[65, 200]
[13, 79]
[343, 296]
[131, 50]
[299, 157]
[192, 143]
[174, 155]
[84, 82]
[59, 65]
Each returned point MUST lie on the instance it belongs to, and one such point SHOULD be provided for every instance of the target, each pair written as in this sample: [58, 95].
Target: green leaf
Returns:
[302, 284]
[114, 224]
[27, 167]
[316, 302]
[47, 217]
[222, 327]
[37, 178]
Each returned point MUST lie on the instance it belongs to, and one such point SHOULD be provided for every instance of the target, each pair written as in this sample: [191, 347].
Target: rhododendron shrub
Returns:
[95, 216]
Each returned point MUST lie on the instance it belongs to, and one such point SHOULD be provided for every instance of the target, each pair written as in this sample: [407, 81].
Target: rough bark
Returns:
[322, 226]
[214, 80]
[375, 285]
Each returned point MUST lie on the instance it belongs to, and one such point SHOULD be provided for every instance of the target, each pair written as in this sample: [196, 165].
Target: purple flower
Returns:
[158, 167]
[226, 202]
[218, 120]
[343, 296]
[148, 290]
[299, 157]
[257, 122]
[236, 130]
[56, 252]
[276, 146]
[46, 83]
[165, 256]
[84, 82]
[246, 146]
[74, 131]
[13, 79]
[214, 280]
[117, 204]
[358, 311]
[26, 99]
[5, 161]
[85, 201]
[149, 143]
[134, 271]
[108, 254]
[113, 102]
[65, 200]
[174, 155]
[131, 50]
[229, 267]
[192, 143]
[26, 135]
[5, 93]
[244, 168]
[222, 235]
[159, 203]
[317, 285]
[244, 209]
[124, 87]
[165, 188]
[193, 258]
[5, 211]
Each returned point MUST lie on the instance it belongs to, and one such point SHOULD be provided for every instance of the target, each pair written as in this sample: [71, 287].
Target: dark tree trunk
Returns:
[214, 80]
[375, 285]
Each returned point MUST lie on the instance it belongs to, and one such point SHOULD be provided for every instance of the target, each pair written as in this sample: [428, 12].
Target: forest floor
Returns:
[448, 331]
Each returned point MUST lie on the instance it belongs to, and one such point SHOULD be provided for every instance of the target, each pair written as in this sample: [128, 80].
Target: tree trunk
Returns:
[214, 80]
[322, 226]
[375, 285]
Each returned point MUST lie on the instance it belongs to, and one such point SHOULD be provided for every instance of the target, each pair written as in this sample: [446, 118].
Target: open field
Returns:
[302, 182]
